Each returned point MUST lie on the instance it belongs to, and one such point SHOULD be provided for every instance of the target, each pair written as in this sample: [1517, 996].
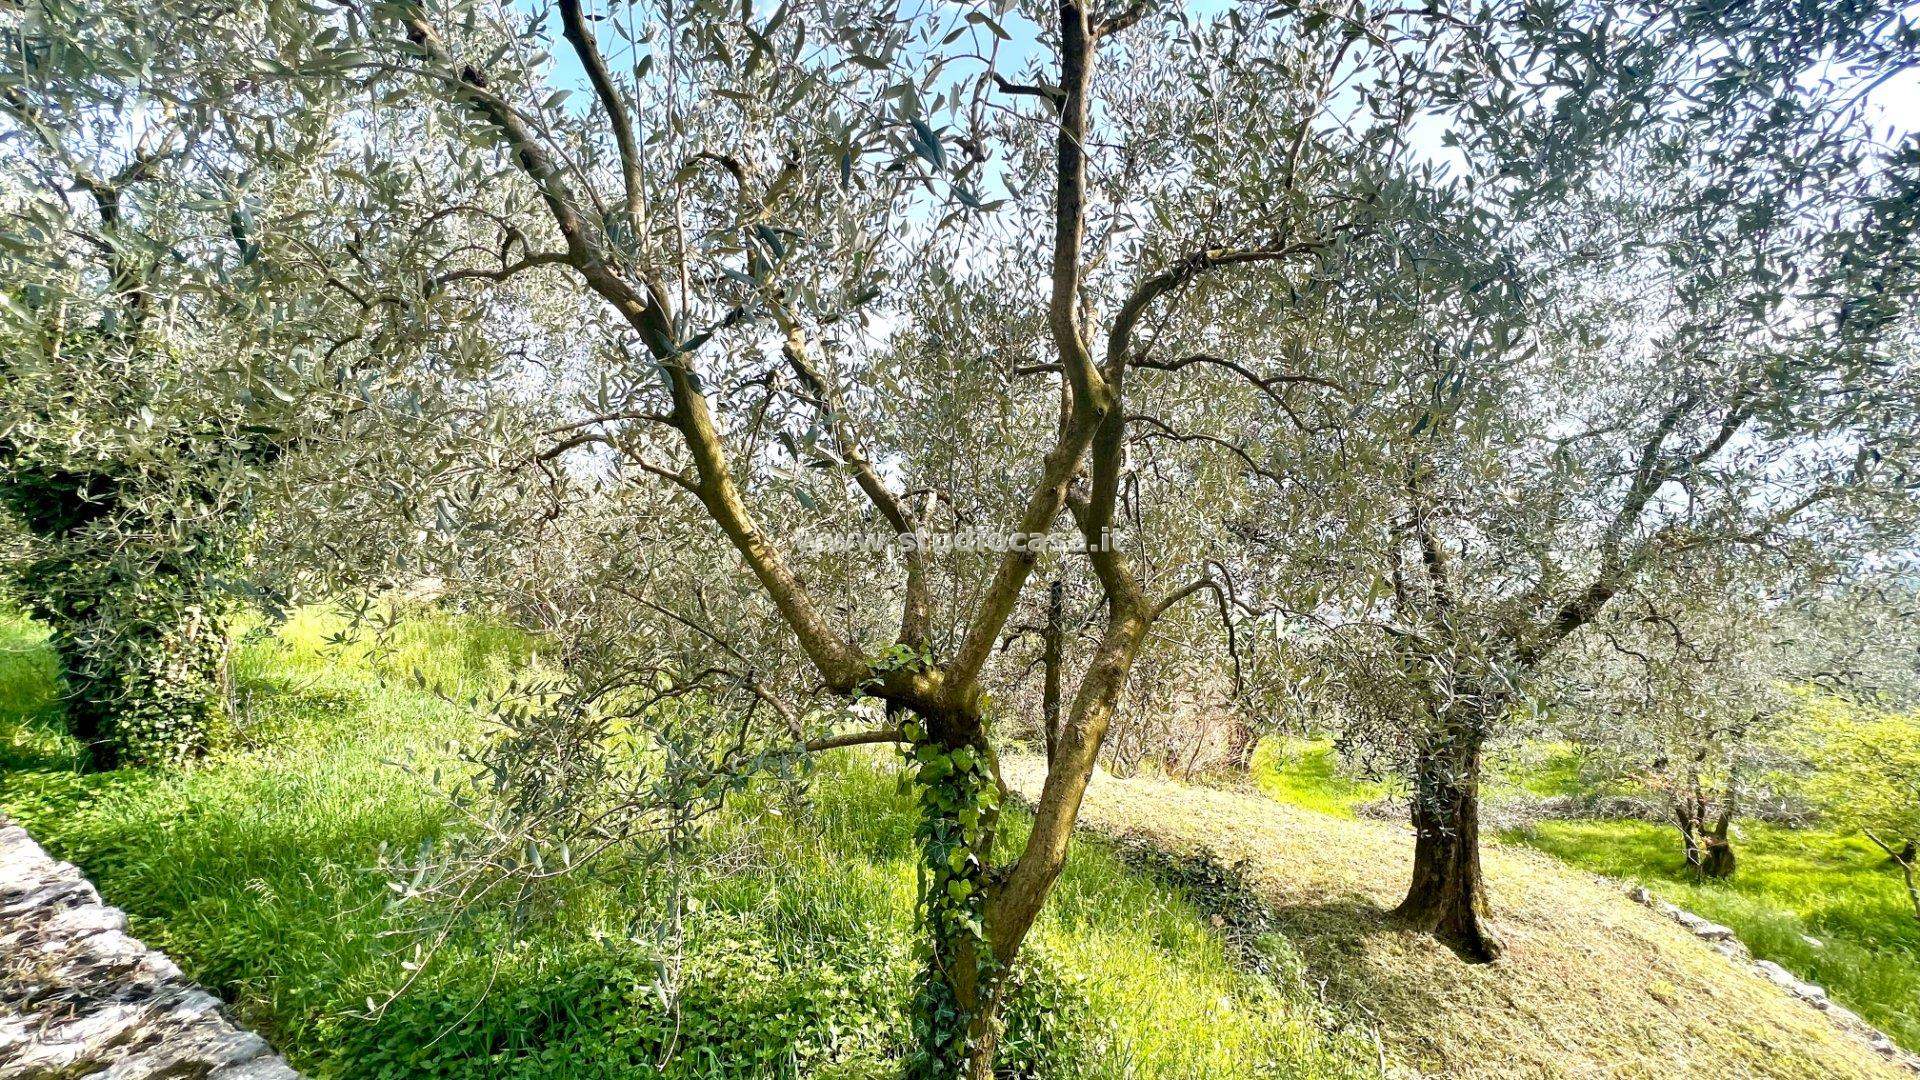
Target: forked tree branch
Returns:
[648, 310]
[1651, 473]
[1163, 430]
[580, 36]
[1091, 401]
[917, 611]
[1120, 337]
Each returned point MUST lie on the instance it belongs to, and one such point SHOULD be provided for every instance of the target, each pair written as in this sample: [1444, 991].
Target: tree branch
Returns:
[1114, 24]
[917, 611]
[1091, 402]
[1046, 94]
[545, 258]
[649, 312]
[1120, 337]
[1163, 430]
[580, 36]
[1266, 385]
[1208, 584]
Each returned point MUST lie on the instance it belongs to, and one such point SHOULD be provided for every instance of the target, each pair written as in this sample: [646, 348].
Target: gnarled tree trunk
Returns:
[1689, 842]
[1448, 895]
[1708, 848]
[1242, 740]
[1718, 860]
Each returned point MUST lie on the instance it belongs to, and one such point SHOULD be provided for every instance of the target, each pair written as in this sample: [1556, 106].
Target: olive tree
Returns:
[1683, 323]
[1868, 762]
[771, 236]
[1859, 645]
[1686, 695]
[149, 352]
[764, 241]
[1724, 693]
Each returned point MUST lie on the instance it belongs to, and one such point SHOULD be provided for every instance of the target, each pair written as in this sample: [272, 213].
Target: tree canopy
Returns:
[798, 370]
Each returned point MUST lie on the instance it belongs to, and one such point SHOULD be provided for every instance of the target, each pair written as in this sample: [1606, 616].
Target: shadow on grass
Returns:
[1330, 931]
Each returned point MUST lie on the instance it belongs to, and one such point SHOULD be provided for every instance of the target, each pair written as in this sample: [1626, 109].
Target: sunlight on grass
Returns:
[1825, 906]
[1308, 773]
[255, 869]
[31, 733]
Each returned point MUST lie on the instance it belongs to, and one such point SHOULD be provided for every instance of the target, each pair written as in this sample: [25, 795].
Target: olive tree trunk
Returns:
[1052, 649]
[1708, 847]
[1448, 894]
[957, 1003]
[975, 916]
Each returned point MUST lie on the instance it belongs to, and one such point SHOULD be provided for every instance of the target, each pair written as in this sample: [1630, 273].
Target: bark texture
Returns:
[1448, 895]
[1050, 660]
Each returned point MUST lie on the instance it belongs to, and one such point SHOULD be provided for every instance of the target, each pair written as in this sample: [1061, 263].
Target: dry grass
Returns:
[1592, 985]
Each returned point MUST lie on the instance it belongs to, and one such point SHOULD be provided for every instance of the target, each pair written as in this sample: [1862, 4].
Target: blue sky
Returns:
[1895, 103]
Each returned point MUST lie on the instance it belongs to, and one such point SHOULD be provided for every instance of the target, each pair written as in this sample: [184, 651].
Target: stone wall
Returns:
[79, 997]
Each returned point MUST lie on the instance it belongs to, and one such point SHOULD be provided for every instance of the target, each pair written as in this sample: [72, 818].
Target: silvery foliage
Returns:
[1673, 313]
[159, 349]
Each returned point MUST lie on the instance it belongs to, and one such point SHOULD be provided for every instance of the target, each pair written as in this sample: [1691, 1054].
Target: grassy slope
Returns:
[252, 870]
[1307, 773]
[1821, 904]
[1593, 985]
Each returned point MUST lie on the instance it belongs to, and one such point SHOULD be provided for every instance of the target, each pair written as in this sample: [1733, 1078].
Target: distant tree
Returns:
[1684, 693]
[1867, 775]
[1701, 688]
[1671, 312]
[1859, 645]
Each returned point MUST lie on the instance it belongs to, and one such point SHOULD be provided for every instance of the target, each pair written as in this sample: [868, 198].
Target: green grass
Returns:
[1538, 768]
[1308, 773]
[1823, 905]
[255, 870]
[30, 710]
